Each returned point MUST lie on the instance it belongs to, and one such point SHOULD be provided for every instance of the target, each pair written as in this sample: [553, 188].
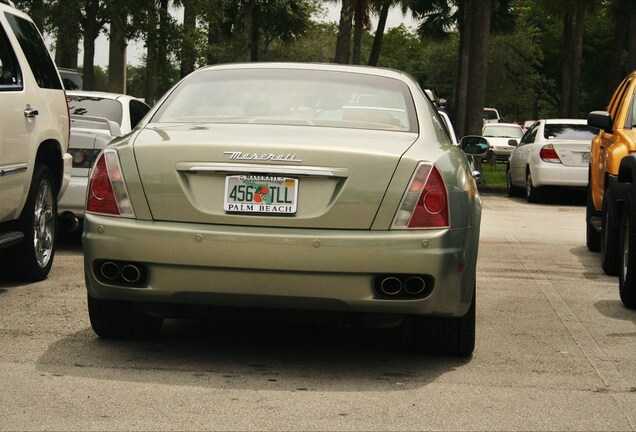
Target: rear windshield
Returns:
[291, 97]
[569, 131]
[95, 107]
[503, 131]
[490, 114]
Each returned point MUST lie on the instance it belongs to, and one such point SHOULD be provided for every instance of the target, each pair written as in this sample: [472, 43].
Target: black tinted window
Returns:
[569, 131]
[35, 52]
[10, 75]
[137, 111]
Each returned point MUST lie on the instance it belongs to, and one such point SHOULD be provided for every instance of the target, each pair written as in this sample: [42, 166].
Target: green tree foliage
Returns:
[525, 54]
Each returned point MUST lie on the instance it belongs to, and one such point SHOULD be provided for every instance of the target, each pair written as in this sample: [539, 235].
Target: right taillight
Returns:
[107, 192]
[425, 202]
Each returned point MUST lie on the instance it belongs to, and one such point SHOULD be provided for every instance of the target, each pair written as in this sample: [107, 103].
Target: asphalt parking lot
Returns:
[555, 351]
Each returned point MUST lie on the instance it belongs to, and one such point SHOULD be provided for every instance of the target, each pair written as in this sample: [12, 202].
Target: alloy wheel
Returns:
[44, 224]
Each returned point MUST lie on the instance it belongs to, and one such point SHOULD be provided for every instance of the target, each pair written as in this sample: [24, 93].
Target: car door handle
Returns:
[30, 112]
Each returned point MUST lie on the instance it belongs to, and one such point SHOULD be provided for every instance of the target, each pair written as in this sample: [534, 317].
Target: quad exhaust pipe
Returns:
[128, 273]
[404, 286]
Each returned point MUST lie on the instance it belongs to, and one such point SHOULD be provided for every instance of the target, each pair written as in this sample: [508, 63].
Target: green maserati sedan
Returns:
[314, 188]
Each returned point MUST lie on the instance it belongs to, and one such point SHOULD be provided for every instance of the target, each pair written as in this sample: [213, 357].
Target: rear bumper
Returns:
[281, 268]
[548, 174]
[74, 199]
[67, 163]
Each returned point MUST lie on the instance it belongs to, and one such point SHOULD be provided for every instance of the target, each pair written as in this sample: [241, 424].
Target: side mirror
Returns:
[474, 144]
[442, 102]
[601, 120]
[513, 142]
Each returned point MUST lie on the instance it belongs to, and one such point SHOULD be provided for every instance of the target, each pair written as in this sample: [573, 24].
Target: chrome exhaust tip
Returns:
[414, 285]
[130, 273]
[109, 270]
[69, 222]
[391, 286]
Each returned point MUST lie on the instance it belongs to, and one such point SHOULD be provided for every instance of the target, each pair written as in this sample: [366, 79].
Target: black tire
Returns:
[513, 191]
[32, 258]
[593, 237]
[448, 336]
[533, 194]
[627, 254]
[113, 319]
[609, 239]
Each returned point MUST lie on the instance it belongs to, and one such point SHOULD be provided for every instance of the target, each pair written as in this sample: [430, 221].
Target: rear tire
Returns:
[609, 239]
[114, 319]
[513, 191]
[31, 260]
[593, 237]
[533, 195]
[448, 336]
[627, 255]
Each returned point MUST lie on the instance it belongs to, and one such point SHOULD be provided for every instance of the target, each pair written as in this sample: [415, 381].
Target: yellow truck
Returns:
[611, 201]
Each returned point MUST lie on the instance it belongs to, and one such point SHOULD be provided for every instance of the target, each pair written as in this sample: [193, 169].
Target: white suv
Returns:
[35, 165]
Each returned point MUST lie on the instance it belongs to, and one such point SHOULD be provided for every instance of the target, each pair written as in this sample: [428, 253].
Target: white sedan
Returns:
[499, 135]
[552, 152]
[96, 118]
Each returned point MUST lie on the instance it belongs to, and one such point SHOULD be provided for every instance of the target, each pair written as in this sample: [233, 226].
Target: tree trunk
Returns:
[343, 42]
[461, 93]
[91, 31]
[150, 93]
[248, 24]
[621, 24]
[379, 34]
[566, 70]
[254, 42]
[631, 49]
[577, 54]
[67, 46]
[215, 38]
[478, 65]
[357, 33]
[188, 50]
[163, 63]
[117, 54]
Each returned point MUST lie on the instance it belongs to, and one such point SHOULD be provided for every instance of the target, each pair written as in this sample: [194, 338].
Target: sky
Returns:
[136, 49]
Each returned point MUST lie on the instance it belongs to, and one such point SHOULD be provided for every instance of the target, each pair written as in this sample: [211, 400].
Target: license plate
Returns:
[585, 157]
[260, 194]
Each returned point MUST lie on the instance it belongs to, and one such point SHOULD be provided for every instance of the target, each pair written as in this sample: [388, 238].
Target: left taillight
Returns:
[549, 154]
[107, 192]
[425, 202]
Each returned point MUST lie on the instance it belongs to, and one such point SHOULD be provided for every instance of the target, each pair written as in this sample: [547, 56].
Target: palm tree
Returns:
[382, 7]
[573, 15]
[343, 42]
[473, 20]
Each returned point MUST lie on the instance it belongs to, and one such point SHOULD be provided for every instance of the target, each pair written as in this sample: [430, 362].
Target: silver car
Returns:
[287, 186]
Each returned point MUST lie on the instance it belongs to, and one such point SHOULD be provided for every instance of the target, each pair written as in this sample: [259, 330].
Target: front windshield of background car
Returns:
[569, 131]
[499, 131]
[291, 97]
[95, 107]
